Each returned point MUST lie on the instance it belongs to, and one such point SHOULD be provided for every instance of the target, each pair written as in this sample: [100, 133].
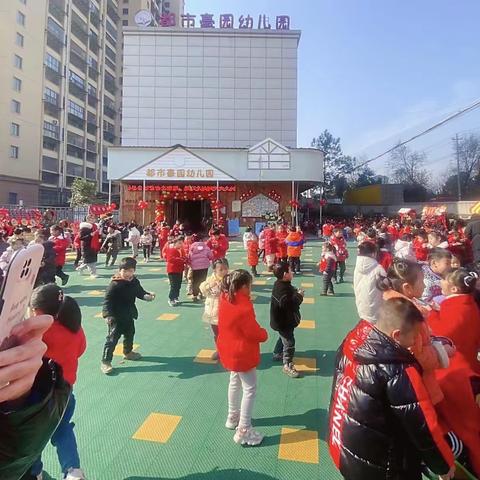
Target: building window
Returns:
[17, 84]
[15, 106]
[125, 23]
[12, 198]
[21, 19]
[19, 39]
[51, 96]
[23, 1]
[51, 130]
[13, 151]
[52, 62]
[18, 62]
[77, 80]
[125, 11]
[14, 129]
[76, 109]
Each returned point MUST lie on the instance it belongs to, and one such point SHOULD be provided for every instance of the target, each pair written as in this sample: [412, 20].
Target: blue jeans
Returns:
[285, 345]
[64, 441]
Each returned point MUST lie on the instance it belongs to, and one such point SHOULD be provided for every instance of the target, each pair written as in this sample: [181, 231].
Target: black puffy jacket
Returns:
[25, 431]
[285, 306]
[382, 423]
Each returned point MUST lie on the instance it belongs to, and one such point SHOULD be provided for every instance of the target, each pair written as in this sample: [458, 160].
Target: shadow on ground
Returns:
[216, 474]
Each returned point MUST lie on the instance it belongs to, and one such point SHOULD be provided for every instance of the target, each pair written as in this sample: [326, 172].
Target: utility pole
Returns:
[459, 185]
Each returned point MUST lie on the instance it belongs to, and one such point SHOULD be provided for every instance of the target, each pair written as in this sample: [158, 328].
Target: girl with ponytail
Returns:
[66, 343]
[238, 345]
[405, 280]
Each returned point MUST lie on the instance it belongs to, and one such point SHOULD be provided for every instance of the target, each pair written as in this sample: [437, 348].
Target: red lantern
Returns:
[142, 204]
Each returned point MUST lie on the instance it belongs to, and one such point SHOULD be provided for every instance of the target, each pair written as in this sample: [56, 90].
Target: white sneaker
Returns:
[75, 474]
[232, 421]
[106, 368]
[176, 302]
[171, 303]
[247, 436]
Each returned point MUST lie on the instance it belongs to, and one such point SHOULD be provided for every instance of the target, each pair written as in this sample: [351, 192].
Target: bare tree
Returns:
[408, 166]
[469, 159]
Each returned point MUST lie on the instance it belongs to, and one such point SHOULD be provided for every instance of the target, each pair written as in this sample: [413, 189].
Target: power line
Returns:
[462, 111]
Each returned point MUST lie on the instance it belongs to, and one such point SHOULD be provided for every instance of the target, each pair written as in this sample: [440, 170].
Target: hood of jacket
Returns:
[366, 265]
[402, 245]
[369, 346]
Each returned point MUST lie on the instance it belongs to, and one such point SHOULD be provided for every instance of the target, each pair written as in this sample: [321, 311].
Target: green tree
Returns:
[337, 166]
[83, 192]
[365, 176]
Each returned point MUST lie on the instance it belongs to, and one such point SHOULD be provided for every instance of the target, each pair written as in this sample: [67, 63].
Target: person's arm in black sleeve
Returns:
[411, 404]
[290, 299]
[468, 231]
[107, 310]
[141, 292]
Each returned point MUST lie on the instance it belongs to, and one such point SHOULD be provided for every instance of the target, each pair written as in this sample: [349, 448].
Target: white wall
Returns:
[209, 88]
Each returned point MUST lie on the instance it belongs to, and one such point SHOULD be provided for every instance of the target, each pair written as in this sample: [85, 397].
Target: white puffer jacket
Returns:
[368, 297]
[404, 250]
[210, 289]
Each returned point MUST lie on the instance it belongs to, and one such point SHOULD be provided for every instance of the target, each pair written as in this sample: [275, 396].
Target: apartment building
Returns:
[59, 105]
[129, 8]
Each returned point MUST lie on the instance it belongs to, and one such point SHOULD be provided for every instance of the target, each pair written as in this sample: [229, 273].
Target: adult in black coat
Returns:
[285, 316]
[472, 232]
[382, 422]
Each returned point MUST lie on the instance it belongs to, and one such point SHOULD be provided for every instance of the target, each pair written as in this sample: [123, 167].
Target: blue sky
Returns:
[376, 71]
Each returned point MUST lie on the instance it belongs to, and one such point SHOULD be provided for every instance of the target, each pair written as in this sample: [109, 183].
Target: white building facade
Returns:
[209, 87]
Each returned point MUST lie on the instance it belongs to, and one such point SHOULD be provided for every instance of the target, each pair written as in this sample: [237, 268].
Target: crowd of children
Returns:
[406, 394]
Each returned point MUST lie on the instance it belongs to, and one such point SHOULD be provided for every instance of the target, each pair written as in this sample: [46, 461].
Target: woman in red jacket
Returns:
[60, 245]
[238, 345]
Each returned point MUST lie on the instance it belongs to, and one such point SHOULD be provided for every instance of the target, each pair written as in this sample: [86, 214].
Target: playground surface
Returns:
[163, 417]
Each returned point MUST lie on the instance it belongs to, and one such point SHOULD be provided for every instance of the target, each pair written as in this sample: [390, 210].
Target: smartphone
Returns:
[16, 290]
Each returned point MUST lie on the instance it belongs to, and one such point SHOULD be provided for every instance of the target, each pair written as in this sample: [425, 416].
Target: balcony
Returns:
[109, 136]
[83, 6]
[93, 73]
[91, 146]
[91, 157]
[93, 44]
[50, 143]
[51, 108]
[78, 59]
[77, 90]
[79, 28]
[54, 42]
[76, 121]
[56, 8]
[109, 108]
[52, 134]
[95, 18]
[110, 86]
[92, 124]
[112, 11]
[52, 75]
[92, 100]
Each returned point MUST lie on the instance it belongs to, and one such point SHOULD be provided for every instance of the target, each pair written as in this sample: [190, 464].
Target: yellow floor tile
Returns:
[306, 285]
[308, 300]
[158, 427]
[168, 316]
[95, 293]
[118, 352]
[155, 269]
[238, 263]
[99, 315]
[307, 324]
[308, 274]
[259, 282]
[299, 445]
[305, 364]
[205, 356]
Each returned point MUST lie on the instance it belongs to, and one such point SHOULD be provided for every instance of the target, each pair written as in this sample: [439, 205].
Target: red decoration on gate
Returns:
[246, 195]
[274, 195]
[294, 203]
[142, 204]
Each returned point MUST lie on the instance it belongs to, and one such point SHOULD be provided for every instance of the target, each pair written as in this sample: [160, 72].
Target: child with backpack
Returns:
[238, 344]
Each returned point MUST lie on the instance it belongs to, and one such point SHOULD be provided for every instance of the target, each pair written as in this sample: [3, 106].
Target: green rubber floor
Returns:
[167, 381]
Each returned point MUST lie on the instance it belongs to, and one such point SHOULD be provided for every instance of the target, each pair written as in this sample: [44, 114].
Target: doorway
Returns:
[194, 214]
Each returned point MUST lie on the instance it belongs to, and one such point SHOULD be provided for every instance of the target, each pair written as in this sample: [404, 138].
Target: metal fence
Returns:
[72, 214]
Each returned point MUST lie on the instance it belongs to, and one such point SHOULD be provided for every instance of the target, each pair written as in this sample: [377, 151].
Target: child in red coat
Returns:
[218, 244]
[252, 255]
[60, 245]
[341, 252]
[176, 261]
[66, 343]
[420, 247]
[459, 319]
[281, 245]
[238, 345]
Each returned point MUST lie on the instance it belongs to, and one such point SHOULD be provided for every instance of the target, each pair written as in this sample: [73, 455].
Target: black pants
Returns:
[198, 276]
[152, 246]
[111, 254]
[327, 282]
[175, 285]
[340, 269]
[78, 257]
[286, 345]
[115, 331]
[294, 263]
[146, 251]
[60, 273]
[254, 270]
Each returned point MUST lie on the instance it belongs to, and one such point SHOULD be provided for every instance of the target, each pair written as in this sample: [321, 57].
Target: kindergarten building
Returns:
[209, 122]
[231, 186]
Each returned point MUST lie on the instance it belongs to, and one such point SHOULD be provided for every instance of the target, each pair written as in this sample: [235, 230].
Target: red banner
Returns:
[179, 188]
